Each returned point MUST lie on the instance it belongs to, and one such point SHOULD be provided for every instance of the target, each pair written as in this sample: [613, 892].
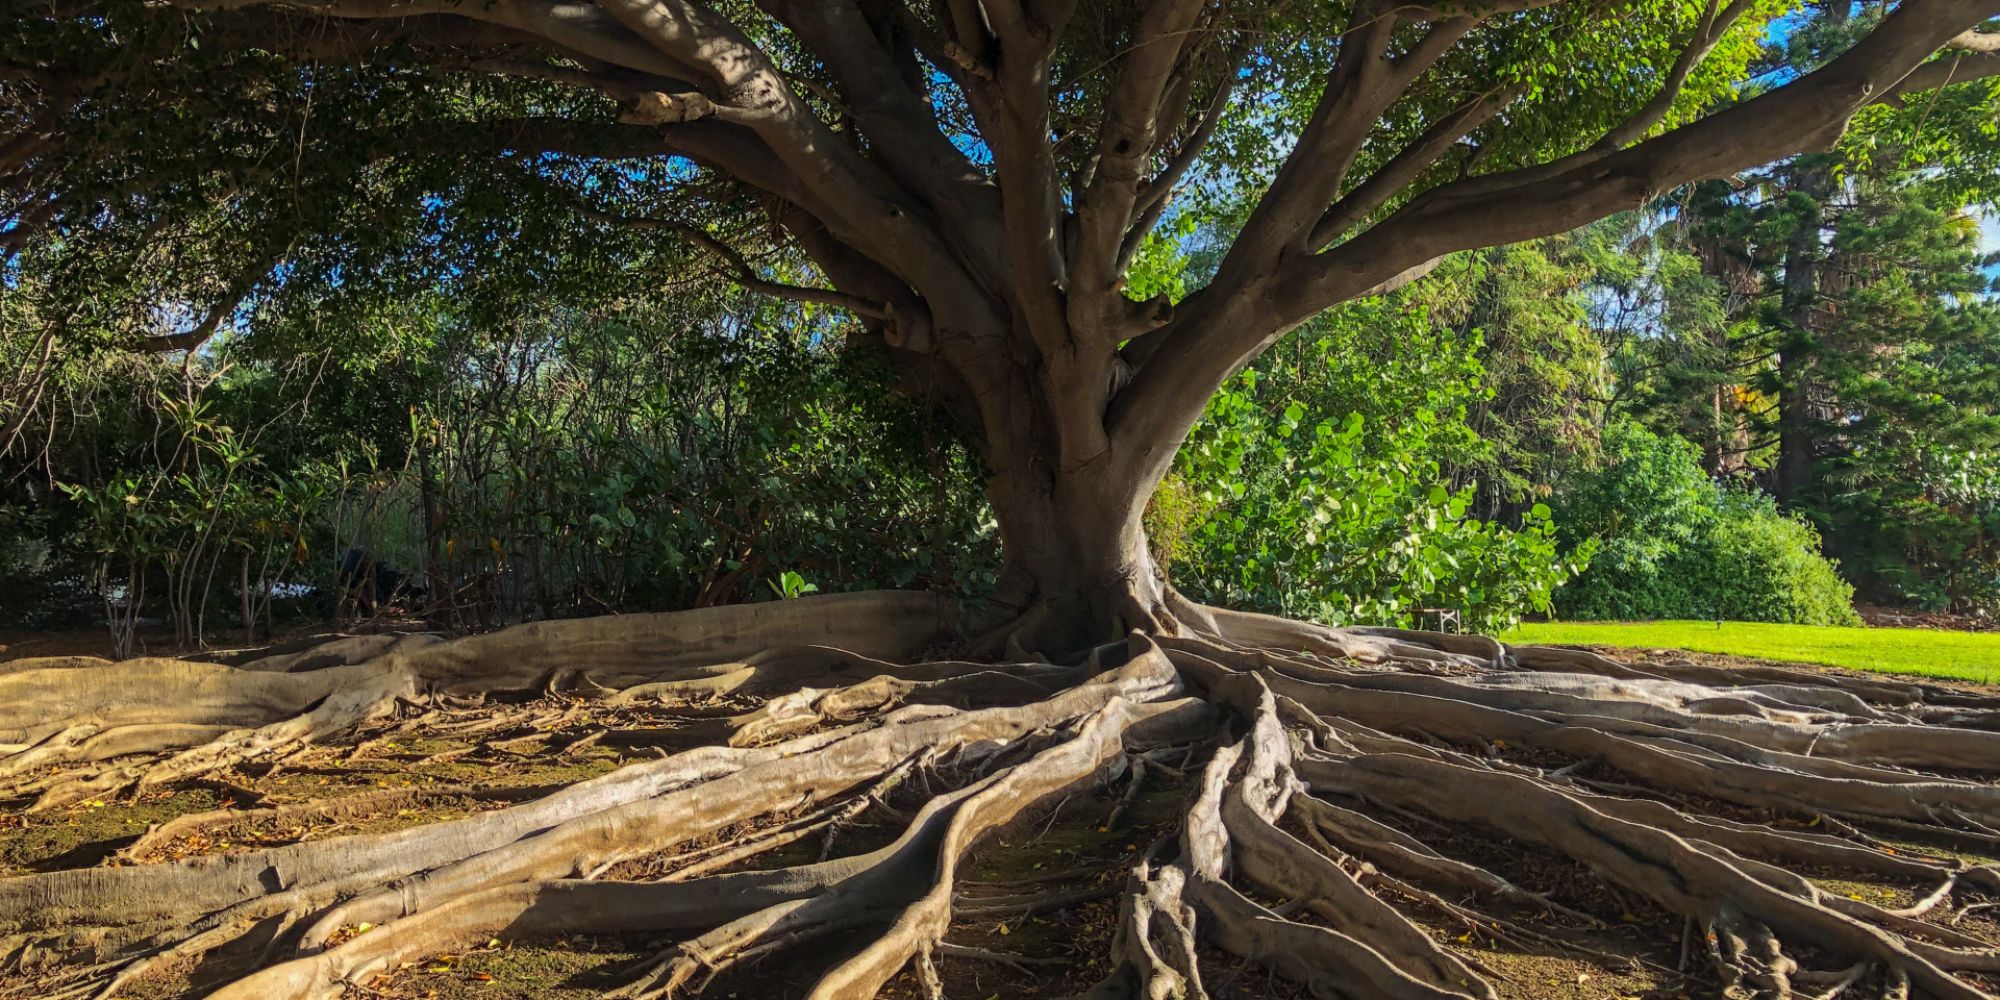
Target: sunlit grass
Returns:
[1973, 656]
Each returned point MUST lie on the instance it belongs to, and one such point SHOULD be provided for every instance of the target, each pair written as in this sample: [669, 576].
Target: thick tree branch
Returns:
[1976, 41]
[1807, 114]
[1155, 193]
[1013, 115]
[1954, 68]
[900, 126]
[1707, 35]
[1131, 132]
[740, 270]
[863, 206]
[226, 304]
[583, 28]
[1365, 83]
[683, 41]
[1396, 175]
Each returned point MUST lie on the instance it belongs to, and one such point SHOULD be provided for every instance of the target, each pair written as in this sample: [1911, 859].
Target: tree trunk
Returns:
[1077, 568]
[1804, 254]
[1795, 431]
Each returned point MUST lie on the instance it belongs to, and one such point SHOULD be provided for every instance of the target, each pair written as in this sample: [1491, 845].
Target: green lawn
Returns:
[1973, 656]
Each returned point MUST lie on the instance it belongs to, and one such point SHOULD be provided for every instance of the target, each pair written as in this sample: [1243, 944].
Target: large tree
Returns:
[972, 180]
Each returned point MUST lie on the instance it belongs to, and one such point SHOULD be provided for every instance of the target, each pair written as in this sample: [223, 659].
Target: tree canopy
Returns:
[927, 161]
[590, 305]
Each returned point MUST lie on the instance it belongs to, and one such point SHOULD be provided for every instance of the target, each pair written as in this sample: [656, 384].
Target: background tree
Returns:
[1834, 348]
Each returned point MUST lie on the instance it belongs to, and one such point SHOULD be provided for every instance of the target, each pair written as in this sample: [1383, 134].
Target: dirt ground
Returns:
[1942, 620]
[1038, 907]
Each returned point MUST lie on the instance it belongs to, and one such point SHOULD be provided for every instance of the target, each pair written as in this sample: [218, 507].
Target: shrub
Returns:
[1344, 521]
[1675, 544]
[1756, 564]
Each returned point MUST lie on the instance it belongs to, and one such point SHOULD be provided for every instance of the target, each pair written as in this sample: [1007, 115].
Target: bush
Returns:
[1343, 521]
[653, 459]
[1757, 564]
[1675, 544]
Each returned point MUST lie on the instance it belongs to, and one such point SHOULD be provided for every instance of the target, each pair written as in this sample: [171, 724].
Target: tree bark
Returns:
[1078, 570]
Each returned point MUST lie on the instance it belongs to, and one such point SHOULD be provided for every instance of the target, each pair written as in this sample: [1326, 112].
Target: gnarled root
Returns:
[1367, 812]
[175, 719]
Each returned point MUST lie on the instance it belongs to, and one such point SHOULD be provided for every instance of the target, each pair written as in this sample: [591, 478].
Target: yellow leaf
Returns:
[1004, 931]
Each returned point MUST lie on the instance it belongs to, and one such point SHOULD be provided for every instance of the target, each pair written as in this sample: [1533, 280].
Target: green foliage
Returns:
[789, 585]
[209, 513]
[656, 458]
[1928, 538]
[1761, 565]
[1541, 377]
[1829, 334]
[627, 464]
[1348, 523]
[1675, 544]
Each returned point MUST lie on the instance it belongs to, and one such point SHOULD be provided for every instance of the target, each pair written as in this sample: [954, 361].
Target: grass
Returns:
[1970, 656]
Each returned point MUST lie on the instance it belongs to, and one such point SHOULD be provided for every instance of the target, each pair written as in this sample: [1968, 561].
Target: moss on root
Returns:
[87, 832]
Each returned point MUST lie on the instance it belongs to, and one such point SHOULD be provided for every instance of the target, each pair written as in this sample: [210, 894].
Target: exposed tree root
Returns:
[1359, 804]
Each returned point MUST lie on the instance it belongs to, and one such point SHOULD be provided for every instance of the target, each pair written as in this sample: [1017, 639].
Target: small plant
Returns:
[789, 584]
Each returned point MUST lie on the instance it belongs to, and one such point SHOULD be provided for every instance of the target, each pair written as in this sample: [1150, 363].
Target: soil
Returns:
[1943, 621]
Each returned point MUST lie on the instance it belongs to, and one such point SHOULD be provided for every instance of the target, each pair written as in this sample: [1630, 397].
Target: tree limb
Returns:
[231, 299]
[1407, 165]
[1954, 68]
[1364, 84]
[1157, 191]
[1706, 36]
[1127, 139]
[740, 270]
[1976, 41]
[900, 125]
[863, 207]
